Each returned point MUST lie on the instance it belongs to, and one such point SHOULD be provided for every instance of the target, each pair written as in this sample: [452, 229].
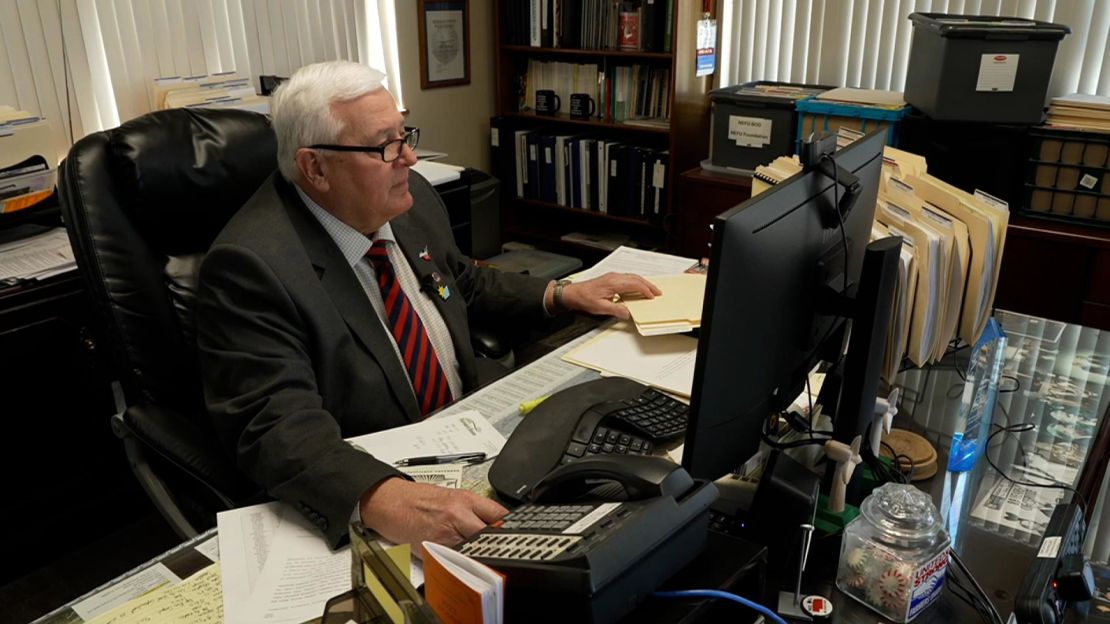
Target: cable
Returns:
[714, 593]
[1021, 428]
[952, 556]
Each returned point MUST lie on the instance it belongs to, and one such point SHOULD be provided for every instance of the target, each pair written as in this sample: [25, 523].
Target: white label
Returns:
[612, 168]
[495, 137]
[1088, 181]
[902, 186]
[657, 175]
[1050, 547]
[928, 581]
[938, 217]
[590, 518]
[991, 200]
[749, 131]
[531, 152]
[900, 211]
[547, 155]
[997, 72]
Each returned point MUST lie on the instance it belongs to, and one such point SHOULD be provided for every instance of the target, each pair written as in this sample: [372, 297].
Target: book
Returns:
[459, 589]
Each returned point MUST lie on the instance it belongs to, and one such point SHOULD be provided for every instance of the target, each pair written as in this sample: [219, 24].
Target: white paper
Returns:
[997, 72]
[37, 256]
[437, 172]
[462, 432]
[631, 260]
[500, 401]
[749, 131]
[445, 40]
[664, 362]
[246, 536]
[209, 548]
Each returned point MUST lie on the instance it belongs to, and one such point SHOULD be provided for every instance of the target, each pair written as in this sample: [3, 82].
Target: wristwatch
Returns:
[558, 295]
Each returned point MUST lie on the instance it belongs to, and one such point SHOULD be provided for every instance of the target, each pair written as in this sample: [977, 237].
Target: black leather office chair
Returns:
[142, 204]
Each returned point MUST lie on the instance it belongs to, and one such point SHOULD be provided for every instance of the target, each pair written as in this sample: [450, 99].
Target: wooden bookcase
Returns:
[543, 223]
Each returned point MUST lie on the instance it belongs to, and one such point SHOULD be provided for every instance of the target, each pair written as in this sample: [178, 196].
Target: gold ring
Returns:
[616, 298]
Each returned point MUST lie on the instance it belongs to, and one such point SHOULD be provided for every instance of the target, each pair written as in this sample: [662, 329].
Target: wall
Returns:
[451, 119]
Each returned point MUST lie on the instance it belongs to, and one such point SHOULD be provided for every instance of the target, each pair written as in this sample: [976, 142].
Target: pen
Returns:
[428, 460]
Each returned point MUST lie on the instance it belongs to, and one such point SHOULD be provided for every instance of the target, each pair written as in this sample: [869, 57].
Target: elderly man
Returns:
[335, 303]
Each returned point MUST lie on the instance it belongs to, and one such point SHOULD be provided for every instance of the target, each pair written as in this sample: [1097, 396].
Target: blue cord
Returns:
[715, 593]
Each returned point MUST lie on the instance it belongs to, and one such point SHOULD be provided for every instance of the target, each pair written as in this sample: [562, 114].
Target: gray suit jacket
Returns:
[294, 359]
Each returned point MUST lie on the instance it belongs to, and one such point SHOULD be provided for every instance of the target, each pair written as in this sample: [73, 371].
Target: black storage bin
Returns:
[971, 155]
[756, 103]
[981, 68]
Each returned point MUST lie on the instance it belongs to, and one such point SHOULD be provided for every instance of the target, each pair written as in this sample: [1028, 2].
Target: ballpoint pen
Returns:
[427, 460]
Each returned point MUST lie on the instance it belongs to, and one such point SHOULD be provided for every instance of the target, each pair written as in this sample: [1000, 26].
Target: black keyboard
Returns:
[653, 414]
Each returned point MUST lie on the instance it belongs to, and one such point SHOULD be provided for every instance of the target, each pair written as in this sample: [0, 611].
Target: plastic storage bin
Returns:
[981, 68]
[822, 116]
[1069, 176]
[895, 553]
[753, 123]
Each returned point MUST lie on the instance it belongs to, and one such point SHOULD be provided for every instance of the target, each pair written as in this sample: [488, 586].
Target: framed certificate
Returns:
[444, 27]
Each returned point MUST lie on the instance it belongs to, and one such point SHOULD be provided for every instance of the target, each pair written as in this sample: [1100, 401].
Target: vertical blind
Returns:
[88, 63]
[866, 43]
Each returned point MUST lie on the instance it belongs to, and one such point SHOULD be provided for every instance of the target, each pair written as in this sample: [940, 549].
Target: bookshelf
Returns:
[677, 144]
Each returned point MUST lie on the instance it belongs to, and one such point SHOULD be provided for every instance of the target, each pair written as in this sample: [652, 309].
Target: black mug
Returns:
[547, 103]
[582, 106]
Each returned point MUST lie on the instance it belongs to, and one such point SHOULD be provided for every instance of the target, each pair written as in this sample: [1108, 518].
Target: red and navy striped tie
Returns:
[428, 379]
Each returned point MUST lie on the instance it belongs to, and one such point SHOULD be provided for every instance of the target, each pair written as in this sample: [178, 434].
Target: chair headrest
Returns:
[182, 173]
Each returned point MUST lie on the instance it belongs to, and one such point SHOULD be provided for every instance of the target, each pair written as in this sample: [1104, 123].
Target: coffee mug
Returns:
[582, 106]
[547, 103]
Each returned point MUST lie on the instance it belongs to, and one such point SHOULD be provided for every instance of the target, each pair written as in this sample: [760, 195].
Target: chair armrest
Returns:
[195, 451]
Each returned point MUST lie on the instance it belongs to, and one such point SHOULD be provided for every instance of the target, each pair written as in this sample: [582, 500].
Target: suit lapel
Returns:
[453, 308]
[346, 292]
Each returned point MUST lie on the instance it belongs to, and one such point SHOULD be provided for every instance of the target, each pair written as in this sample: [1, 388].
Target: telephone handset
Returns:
[626, 477]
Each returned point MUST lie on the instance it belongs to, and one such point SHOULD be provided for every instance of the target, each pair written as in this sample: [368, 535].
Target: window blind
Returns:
[866, 43]
[89, 63]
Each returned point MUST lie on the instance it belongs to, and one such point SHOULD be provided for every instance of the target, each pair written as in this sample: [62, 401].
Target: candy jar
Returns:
[895, 553]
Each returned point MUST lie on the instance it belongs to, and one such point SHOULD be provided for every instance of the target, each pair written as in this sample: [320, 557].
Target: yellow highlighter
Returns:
[528, 406]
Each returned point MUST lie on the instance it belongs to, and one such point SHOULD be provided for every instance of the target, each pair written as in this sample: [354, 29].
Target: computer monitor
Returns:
[770, 314]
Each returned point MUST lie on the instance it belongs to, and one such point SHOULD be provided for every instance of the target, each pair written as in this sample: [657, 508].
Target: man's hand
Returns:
[405, 512]
[597, 296]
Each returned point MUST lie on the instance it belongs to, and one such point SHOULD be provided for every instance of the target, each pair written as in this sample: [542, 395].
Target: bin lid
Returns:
[766, 91]
[988, 26]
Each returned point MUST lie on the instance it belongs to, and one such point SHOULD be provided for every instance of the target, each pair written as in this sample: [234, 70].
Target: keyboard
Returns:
[627, 426]
[652, 414]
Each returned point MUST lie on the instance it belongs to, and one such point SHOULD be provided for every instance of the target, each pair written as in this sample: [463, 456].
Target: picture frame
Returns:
[444, 27]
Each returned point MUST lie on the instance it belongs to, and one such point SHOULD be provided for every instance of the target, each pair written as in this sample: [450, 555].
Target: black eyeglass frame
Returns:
[410, 138]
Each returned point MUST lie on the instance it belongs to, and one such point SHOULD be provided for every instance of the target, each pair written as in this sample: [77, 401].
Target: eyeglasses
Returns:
[389, 151]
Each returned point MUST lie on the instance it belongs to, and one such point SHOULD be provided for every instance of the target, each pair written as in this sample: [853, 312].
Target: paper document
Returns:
[148, 580]
[37, 257]
[638, 261]
[437, 172]
[462, 432]
[443, 475]
[664, 362]
[677, 310]
[196, 600]
[500, 401]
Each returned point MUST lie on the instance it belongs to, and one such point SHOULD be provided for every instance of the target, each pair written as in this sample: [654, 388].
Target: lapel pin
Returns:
[424, 255]
[444, 292]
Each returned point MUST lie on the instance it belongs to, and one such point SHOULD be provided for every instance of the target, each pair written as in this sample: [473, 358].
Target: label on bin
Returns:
[997, 72]
[749, 131]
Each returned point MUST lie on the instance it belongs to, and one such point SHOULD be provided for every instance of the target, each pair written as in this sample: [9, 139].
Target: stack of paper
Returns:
[1080, 111]
[890, 100]
[677, 310]
[460, 590]
[663, 362]
[29, 153]
[951, 257]
[224, 90]
[637, 262]
[37, 257]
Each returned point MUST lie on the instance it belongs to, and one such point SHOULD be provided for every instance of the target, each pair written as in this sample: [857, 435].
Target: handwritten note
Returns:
[196, 600]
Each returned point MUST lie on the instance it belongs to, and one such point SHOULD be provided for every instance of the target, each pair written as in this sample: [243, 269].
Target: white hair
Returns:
[301, 106]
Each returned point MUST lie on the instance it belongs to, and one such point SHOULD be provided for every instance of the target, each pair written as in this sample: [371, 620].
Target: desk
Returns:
[1061, 376]
[1041, 353]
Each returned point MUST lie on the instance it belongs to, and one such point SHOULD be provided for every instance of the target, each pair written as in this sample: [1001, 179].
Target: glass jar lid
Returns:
[902, 512]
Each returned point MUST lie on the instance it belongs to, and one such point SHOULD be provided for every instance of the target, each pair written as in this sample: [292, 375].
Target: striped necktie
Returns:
[429, 382]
